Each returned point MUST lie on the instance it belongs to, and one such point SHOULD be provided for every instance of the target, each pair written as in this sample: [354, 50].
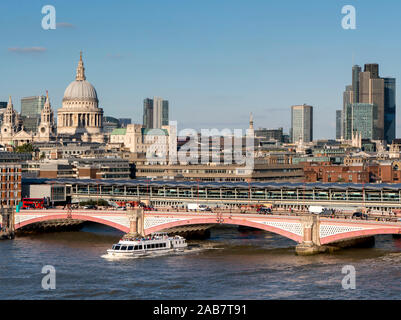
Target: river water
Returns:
[229, 265]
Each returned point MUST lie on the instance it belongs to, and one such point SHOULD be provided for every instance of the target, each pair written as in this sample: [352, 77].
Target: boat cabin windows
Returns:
[129, 248]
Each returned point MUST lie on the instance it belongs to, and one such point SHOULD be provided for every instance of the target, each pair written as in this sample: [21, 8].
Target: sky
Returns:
[214, 60]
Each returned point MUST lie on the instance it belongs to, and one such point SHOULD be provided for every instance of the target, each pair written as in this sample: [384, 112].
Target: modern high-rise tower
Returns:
[389, 109]
[339, 114]
[346, 116]
[356, 70]
[155, 113]
[302, 123]
[368, 88]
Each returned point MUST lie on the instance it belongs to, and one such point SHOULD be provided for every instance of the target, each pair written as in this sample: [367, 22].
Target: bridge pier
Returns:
[136, 220]
[7, 223]
[311, 240]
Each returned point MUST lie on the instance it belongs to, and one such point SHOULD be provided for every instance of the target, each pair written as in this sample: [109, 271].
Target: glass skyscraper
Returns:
[32, 106]
[389, 109]
[339, 124]
[363, 119]
[302, 123]
[369, 88]
[155, 113]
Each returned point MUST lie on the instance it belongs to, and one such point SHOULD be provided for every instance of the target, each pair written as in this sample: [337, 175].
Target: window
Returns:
[123, 248]
[116, 247]
[130, 247]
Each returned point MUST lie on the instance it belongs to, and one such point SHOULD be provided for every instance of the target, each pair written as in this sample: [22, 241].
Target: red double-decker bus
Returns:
[33, 203]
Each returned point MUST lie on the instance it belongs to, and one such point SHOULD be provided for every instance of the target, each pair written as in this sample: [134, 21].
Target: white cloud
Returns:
[27, 50]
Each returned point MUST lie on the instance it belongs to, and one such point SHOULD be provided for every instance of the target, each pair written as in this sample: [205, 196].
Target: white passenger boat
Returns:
[158, 242]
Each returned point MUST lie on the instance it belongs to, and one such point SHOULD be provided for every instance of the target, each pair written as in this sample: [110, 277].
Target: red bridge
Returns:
[305, 229]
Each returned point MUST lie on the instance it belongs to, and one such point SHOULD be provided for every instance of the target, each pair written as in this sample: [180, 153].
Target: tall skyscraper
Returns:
[32, 106]
[363, 119]
[356, 70]
[368, 88]
[148, 113]
[339, 121]
[302, 123]
[371, 90]
[347, 101]
[389, 109]
[155, 113]
[165, 113]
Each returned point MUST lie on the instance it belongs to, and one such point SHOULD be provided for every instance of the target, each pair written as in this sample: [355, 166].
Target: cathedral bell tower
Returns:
[46, 130]
[10, 121]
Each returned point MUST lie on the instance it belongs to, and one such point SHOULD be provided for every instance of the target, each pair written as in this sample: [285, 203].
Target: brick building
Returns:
[326, 172]
[10, 184]
[382, 172]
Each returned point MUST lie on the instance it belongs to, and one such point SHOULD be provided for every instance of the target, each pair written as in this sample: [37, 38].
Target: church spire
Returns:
[10, 103]
[47, 112]
[80, 70]
[47, 102]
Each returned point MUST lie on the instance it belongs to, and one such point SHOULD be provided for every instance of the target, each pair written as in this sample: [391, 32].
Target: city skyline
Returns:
[203, 66]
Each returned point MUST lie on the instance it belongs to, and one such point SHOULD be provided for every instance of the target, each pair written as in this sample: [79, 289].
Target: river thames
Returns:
[229, 265]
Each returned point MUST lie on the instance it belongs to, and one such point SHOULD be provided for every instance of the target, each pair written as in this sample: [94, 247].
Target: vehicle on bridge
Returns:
[360, 215]
[33, 203]
[264, 210]
[157, 242]
[320, 210]
[197, 207]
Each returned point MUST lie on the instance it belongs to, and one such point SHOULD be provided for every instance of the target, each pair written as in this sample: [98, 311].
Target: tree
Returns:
[27, 147]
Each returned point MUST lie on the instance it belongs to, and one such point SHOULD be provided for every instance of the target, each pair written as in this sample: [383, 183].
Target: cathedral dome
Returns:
[80, 90]
[80, 113]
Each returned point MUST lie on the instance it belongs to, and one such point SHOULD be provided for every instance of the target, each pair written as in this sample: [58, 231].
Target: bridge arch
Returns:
[360, 233]
[43, 218]
[227, 221]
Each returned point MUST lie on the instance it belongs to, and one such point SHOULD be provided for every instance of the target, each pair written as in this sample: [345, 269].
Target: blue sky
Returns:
[214, 60]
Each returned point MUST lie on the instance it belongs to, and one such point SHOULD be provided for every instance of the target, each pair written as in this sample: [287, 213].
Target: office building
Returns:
[389, 109]
[124, 122]
[347, 101]
[155, 113]
[302, 123]
[363, 119]
[369, 88]
[32, 106]
[356, 70]
[270, 134]
[338, 124]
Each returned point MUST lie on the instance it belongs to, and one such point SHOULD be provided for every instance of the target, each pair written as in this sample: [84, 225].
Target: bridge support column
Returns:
[7, 230]
[311, 240]
[136, 218]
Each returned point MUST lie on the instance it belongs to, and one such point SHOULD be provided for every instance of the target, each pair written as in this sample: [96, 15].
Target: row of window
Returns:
[140, 247]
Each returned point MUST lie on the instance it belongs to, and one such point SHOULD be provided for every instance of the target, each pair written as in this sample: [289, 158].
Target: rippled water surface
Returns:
[229, 265]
